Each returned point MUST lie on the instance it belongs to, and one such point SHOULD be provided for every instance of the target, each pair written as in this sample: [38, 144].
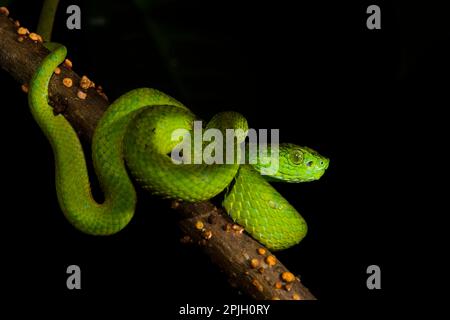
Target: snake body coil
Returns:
[135, 132]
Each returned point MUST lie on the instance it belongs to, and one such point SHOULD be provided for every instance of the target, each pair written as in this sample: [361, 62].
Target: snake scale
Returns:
[135, 133]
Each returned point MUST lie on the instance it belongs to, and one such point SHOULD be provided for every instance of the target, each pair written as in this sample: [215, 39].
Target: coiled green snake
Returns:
[135, 132]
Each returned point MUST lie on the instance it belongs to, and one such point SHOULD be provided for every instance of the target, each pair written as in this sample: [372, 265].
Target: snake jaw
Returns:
[294, 164]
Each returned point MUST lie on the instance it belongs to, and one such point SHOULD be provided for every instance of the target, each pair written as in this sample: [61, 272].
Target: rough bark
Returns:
[249, 266]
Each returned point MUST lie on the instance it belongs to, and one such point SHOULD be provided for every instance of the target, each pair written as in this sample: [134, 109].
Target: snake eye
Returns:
[296, 157]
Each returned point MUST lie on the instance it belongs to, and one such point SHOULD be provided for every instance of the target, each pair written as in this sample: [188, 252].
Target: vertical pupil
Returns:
[296, 157]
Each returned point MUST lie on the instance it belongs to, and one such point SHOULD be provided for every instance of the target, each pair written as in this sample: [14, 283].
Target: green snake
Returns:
[135, 133]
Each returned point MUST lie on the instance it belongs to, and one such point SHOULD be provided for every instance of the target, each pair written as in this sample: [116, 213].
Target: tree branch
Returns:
[248, 265]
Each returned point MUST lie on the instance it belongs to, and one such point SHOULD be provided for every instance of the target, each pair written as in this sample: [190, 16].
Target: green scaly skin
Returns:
[255, 204]
[137, 129]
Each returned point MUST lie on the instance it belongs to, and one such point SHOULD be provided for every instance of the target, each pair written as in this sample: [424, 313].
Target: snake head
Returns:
[295, 164]
[302, 163]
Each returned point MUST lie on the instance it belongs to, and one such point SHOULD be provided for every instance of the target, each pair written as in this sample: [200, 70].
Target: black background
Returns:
[311, 69]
